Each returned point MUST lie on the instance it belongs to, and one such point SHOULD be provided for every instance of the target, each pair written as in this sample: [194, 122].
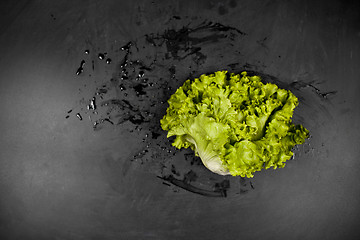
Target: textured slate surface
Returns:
[113, 174]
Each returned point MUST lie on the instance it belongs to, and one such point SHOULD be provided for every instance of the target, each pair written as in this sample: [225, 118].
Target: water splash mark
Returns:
[197, 180]
[262, 43]
[219, 189]
[233, 66]
[300, 84]
[146, 74]
[245, 185]
[189, 41]
[138, 86]
[124, 111]
[174, 171]
[53, 16]
[192, 159]
[81, 68]
[297, 85]
[190, 176]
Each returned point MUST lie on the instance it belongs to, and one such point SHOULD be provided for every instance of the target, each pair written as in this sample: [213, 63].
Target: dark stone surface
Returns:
[83, 85]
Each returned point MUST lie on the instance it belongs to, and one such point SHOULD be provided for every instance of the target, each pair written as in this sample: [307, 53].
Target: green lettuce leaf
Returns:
[235, 123]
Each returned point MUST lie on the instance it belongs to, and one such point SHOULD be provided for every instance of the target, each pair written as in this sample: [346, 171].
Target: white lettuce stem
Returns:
[210, 159]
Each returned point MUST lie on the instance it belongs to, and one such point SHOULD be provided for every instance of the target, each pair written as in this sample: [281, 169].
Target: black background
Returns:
[62, 179]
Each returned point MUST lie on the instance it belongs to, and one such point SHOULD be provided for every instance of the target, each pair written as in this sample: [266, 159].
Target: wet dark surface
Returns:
[84, 86]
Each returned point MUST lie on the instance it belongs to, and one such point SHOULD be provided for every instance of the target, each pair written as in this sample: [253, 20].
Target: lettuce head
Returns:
[236, 124]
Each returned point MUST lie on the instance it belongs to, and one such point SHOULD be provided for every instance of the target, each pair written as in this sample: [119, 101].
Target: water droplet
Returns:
[108, 61]
[122, 88]
[79, 116]
[126, 47]
[92, 105]
[101, 56]
[141, 74]
[123, 65]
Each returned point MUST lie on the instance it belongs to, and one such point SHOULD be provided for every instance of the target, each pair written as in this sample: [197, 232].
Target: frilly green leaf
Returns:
[235, 123]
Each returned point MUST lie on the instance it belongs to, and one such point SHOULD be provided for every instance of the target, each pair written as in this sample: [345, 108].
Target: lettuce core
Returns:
[235, 123]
